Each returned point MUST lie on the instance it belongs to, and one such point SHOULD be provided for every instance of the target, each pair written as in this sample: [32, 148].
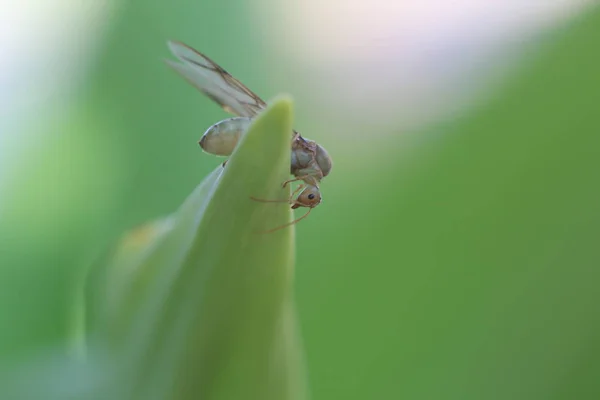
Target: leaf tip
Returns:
[283, 104]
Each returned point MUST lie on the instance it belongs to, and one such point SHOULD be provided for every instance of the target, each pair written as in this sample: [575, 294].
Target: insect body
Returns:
[310, 162]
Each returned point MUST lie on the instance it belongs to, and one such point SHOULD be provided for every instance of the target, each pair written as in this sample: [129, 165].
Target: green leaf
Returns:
[199, 304]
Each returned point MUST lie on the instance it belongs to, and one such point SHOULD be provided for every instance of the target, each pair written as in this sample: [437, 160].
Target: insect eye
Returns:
[311, 196]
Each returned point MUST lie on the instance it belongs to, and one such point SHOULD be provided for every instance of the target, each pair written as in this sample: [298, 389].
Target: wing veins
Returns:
[220, 95]
[229, 80]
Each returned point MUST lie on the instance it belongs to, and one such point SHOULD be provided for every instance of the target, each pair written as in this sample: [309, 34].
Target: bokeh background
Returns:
[455, 255]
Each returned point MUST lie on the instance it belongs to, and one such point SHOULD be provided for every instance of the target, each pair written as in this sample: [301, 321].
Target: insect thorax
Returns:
[308, 158]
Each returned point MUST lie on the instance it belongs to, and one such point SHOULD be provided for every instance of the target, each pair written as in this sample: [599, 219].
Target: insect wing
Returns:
[214, 81]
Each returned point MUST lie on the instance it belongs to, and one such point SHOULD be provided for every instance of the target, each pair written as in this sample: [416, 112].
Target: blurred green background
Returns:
[459, 261]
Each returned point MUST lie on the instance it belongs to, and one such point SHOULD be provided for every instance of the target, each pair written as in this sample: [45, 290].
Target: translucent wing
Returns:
[214, 81]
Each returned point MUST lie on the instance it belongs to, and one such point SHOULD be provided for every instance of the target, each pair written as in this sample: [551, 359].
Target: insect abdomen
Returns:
[221, 138]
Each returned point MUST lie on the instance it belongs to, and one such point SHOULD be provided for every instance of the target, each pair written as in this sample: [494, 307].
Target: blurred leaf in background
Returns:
[454, 261]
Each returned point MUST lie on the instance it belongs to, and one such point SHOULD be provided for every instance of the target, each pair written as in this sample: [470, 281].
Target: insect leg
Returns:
[290, 200]
[298, 178]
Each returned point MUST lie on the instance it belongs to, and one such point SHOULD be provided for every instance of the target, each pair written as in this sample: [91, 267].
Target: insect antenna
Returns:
[268, 201]
[289, 223]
